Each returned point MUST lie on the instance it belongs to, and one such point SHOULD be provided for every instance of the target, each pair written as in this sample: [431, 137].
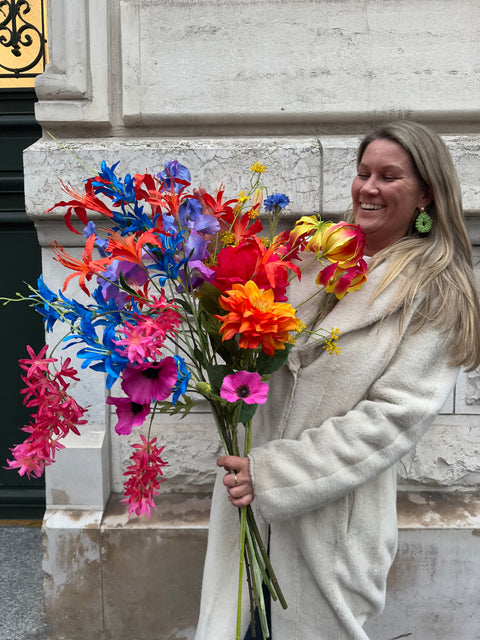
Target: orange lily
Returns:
[130, 247]
[85, 268]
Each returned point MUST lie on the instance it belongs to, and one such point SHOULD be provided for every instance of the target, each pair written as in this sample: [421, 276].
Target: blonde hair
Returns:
[438, 264]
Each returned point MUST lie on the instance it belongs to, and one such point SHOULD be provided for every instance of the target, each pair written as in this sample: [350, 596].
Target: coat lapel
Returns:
[354, 311]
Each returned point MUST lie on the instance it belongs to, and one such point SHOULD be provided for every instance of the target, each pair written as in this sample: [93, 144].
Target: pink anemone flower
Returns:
[246, 386]
[129, 414]
[144, 383]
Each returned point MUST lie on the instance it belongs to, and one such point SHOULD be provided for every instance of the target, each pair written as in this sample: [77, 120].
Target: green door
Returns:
[20, 261]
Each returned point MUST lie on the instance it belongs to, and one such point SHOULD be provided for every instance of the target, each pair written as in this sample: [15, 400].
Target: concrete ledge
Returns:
[111, 577]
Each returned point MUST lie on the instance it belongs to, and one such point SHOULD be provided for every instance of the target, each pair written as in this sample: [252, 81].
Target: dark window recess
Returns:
[19, 325]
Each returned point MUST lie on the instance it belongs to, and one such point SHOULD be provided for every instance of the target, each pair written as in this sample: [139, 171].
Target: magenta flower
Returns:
[129, 414]
[246, 386]
[144, 477]
[144, 339]
[144, 383]
[56, 414]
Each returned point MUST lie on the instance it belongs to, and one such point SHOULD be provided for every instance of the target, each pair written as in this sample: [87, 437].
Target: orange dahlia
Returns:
[254, 315]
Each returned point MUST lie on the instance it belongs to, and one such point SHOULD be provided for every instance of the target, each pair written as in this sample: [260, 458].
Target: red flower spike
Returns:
[81, 204]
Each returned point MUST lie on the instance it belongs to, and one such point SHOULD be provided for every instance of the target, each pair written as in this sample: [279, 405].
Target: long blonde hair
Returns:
[440, 263]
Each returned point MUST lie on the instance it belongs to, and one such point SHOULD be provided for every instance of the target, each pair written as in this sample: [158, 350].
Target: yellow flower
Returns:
[242, 196]
[330, 343]
[257, 167]
[310, 229]
[228, 238]
[252, 214]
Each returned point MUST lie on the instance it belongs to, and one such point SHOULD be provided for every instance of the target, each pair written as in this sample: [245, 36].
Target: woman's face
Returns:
[386, 192]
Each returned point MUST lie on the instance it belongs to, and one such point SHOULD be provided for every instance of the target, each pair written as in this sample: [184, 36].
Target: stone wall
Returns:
[218, 84]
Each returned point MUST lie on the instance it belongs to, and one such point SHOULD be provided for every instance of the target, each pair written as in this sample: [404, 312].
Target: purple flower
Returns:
[144, 383]
[129, 414]
[176, 172]
[198, 273]
[133, 274]
[246, 386]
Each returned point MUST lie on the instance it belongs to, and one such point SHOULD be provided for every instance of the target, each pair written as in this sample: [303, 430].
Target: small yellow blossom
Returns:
[242, 196]
[265, 241]
[301, 327]
[228, 238]
[257, 167]
[330, 343]
[252, 214]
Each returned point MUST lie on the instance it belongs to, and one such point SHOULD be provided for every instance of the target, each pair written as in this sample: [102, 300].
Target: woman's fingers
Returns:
[237, 480]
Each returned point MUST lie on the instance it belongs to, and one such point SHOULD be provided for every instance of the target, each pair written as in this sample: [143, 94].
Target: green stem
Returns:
[268, 565]
[243, 524]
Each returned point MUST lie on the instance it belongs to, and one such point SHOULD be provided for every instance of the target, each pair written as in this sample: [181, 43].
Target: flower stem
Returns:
[273, 578]
[243, 525]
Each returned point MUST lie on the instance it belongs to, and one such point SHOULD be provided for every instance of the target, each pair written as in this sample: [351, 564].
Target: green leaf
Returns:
[185, 305]
[182, 408]
[209, 296]
[125, 286]
[199, 356]
[247, 412]
[216, 373]
[268, 364]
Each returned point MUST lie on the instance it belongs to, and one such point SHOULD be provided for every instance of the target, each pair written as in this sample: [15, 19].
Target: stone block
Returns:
[73, 576]
[152, 569]
[80, 477]
[293, 167]
[433, 586]
[333, 62]
[448, 456]
[191, 448]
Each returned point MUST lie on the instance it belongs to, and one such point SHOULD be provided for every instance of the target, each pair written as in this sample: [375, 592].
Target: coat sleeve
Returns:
[328, 461]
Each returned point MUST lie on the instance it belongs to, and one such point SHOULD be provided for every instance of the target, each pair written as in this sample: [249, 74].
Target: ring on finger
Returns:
[235, 478]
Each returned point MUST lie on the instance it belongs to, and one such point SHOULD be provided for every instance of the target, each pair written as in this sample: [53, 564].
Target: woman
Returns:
[322, 472]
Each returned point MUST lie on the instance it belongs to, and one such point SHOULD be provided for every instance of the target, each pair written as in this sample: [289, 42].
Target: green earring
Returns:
[423, 222]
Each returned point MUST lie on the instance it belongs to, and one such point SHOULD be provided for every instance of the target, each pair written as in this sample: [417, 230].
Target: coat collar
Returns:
[354, 311]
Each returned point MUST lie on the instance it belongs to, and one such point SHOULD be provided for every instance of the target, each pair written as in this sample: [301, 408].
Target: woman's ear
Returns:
[426, 198]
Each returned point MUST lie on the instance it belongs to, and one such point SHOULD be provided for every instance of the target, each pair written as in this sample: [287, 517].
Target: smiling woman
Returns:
[321, 473]
[386, 194]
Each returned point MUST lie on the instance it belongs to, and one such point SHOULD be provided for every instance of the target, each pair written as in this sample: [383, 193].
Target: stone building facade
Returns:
[218, 84]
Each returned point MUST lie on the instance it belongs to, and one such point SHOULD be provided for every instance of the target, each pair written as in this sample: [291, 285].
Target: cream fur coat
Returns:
[323, 469]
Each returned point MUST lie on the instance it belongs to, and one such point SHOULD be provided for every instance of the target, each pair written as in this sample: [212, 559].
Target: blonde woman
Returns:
[321, 475]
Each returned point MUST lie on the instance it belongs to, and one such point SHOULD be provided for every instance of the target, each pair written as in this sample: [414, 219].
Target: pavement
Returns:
[22, 614]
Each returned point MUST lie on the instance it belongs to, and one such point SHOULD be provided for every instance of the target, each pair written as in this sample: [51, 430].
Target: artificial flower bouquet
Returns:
[185, 302]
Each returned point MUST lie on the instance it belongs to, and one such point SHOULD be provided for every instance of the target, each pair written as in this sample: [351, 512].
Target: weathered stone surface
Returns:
[447, 456]
[163, 559]
[432, 586]
[293, 167]
[338, 59]
[73, 579]
[191, 447]
[67, 481]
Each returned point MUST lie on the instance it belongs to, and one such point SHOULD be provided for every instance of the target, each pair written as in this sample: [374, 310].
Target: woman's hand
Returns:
[237, 479]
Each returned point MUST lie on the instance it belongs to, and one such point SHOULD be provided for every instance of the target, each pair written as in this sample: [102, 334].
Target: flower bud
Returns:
[204, 388]
[343, 243]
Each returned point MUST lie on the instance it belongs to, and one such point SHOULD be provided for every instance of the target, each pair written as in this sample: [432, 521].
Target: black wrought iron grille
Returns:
[24, 40]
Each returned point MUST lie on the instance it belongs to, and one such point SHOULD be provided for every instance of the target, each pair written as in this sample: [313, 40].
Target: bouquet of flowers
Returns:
[185, 302]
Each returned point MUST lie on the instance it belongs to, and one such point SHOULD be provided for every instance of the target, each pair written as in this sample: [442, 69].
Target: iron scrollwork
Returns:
[16, 34]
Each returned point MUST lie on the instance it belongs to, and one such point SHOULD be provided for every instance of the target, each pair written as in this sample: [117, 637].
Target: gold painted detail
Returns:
[23, 42]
